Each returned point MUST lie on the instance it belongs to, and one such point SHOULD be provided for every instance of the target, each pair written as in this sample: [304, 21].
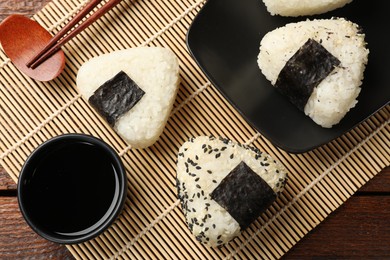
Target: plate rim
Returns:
[213, 81]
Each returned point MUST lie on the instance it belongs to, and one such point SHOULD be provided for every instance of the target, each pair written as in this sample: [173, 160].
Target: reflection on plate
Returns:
[224, 39]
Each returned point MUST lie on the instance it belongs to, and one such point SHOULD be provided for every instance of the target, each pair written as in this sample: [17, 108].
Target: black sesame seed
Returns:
[217, 155]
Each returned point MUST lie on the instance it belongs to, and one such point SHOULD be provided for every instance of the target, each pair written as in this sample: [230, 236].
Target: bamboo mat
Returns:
[152, 225]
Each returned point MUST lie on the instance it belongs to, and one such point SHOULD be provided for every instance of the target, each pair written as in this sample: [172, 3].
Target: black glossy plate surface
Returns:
[224, 39]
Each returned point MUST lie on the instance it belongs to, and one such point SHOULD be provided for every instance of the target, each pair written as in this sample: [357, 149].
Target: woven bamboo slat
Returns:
[152, 225]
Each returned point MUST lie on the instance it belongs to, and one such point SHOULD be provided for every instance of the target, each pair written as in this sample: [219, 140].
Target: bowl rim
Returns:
[114, 211]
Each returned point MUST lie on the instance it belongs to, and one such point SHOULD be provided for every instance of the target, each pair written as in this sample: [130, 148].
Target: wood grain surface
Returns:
[359, 229]
[27, 8]
[17, 240]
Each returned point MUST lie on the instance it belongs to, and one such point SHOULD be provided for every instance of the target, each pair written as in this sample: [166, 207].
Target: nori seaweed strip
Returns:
[115, 97]
[304, 71]
[244, 194]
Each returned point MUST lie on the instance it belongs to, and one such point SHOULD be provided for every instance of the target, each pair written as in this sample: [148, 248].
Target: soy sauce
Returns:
[72, 188]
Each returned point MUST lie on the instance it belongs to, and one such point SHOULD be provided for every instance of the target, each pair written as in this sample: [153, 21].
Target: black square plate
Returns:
[224, 39]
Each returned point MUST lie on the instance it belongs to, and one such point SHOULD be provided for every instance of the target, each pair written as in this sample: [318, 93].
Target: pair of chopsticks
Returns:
[64, 35]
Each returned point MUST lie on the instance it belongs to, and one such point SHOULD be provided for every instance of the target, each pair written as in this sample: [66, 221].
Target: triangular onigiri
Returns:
[335, 93]
[224, 186]
[303, 7]
[133, 90]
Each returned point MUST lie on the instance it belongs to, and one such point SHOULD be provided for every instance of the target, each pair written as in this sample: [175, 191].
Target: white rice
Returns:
[156, 72]
[338, 92]
[303, 7]
[208, 172]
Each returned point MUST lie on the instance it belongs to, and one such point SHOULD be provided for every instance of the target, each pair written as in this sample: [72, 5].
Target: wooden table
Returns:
[359, 229]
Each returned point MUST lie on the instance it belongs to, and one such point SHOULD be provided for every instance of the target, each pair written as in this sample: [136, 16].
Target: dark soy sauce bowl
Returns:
[72, 188]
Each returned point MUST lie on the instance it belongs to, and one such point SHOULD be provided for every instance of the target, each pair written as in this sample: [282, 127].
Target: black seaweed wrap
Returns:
[244, 194]
[115, 97]
[304, 71]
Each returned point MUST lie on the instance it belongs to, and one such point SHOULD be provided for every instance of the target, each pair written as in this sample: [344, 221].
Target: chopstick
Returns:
[66, 34]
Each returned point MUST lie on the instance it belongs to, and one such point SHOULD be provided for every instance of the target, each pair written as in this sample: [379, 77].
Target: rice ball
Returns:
[328, 98]
[133, 90]
[224, 186]
[303, 7]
